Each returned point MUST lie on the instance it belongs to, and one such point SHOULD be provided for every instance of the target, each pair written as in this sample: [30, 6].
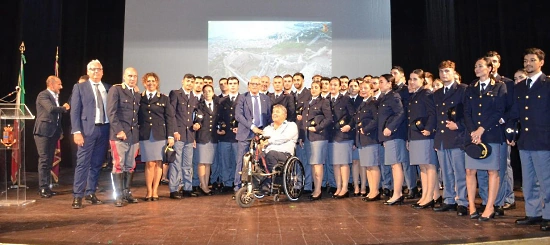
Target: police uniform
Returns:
[156, 124]
[122, 111]
[300, 99]
[356, 102]
[181, 171]
[421, 111]
[227, 144]
[392, 116]
[410, 173]
[532, 109]
[450, 144]
[316, 143]
[366, 118]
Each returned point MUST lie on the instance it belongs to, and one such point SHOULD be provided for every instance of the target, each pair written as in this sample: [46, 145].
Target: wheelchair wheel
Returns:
[293, 178]
[244, 198]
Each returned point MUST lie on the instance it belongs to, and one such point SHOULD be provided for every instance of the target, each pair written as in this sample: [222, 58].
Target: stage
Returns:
[219, 220]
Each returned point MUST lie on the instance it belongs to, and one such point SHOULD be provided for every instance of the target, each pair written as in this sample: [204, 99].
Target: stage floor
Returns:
[219, 220]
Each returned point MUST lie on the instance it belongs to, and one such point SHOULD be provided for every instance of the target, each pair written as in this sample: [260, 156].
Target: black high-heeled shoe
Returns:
[368, 199]
[364, 194]
[346, 195]
[148, 199]
[398, 201]
[439, 200]
[492, 216]
[430, 204]
[474, 215]
[205, 193]
[356, 194]
[312, 198]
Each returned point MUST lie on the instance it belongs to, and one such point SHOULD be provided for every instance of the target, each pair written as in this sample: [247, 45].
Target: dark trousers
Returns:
[45, 147]
[89, 159]
[274, 157]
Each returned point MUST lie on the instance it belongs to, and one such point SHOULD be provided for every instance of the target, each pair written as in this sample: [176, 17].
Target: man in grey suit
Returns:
[253, 112]
[90, 129]
[122, 110]
[47, 131]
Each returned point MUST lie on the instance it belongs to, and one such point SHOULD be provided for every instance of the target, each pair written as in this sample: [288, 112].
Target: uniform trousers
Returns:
[536, 182]
[304, 158]
[124, 156]
[454, 175]
[181, 170]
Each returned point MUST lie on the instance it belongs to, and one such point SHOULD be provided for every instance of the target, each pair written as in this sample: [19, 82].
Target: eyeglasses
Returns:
[96, 69]
[253, 84]
[151, 81]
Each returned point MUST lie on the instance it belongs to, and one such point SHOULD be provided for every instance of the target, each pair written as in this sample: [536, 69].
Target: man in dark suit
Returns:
[532, 109]
[253, 112]
[302, 96]
[122, 110]
[286, 100]
[181, 171]
[228, 145]
[90, 129]
[47, 131]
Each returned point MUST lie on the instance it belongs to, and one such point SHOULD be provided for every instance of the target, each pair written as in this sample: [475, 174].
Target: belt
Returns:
[101, 124]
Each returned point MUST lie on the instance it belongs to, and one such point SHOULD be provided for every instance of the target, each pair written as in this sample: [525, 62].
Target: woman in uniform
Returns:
[156, 129]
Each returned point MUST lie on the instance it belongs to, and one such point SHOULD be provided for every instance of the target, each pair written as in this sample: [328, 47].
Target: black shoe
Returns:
[482, 208]
[528, 220]
[461, 210]
[398, 201]
[439, 200]
[312, 198]
[508, 206]
[430, 204]
[206, 193]
[190, 194]
[342, 196]
[386, 192]
[128, 197]
[77, 203]
[175, 195]
[368, 199]
[413, 193]
[475, 215]
[492, 216]
[148, 199]
[155, 199]
[545, 225]
[331, 190]
[52, 193]
[226, 189]
[164, 182]
[499, 211]
[44, 193]
[445, 207]
[92, 198]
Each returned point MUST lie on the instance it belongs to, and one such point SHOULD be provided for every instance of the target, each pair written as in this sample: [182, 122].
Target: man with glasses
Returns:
[90, 129]
[253, 112]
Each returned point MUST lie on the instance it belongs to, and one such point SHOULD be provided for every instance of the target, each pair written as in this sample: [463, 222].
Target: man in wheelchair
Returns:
[281, 139]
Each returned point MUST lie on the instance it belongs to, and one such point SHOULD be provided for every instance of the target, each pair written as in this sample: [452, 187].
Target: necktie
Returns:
[529, 81]
[446, 90]
[353, 99]
[57, 99]
[483, 87]
[150, 96]
[132, 90]
[210, 106]
[232, 98]
[256, 113]
[99, 104]
[276, 96]
[333, 100]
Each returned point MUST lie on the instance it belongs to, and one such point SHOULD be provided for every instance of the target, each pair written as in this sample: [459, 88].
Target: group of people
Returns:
[378, 133]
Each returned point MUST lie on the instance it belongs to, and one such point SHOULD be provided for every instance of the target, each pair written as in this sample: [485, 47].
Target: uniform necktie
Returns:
[132, 90]
[210, 106]
[232, 98]
[333, 100]
[483, 87]
[276, 96]
[150, 96]
[529, 81]
[256, 113]
[446, 90]
[99, 104]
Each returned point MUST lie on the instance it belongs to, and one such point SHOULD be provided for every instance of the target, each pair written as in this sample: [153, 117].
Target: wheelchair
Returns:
[288, 178]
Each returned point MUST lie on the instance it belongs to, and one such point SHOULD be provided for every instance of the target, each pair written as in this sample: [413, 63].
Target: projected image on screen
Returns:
[256, 48]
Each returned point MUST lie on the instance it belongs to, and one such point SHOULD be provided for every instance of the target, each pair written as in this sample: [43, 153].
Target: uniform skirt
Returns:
[205, 153]
[489, 163]
[355, 154]
[395, 152]
[151, 149]
[317, 151]
[340, 152]
[368, 155]
[422, 152]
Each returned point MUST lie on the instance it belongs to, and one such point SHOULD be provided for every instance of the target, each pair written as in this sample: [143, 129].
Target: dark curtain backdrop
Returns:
[424, 32]
[83, 30]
